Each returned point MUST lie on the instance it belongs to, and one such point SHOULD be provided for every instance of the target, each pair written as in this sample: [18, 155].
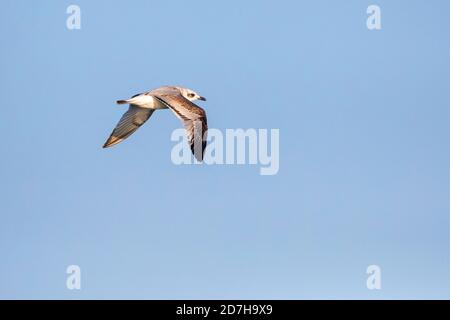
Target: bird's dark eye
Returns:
[191, 95]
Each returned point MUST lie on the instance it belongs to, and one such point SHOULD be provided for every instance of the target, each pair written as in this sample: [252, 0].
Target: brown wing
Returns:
[128, 124]
[193, 118]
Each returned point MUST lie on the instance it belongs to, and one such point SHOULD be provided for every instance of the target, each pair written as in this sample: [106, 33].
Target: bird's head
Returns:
[191, 95]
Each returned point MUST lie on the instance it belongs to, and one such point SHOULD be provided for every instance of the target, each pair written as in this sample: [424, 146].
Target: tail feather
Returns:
[121, 101]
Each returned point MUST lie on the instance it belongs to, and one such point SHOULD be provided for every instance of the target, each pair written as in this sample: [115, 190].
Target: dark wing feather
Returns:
[193, 118]
[128, 124]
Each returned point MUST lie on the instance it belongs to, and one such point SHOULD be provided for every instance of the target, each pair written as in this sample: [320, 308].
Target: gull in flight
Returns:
[177, 99]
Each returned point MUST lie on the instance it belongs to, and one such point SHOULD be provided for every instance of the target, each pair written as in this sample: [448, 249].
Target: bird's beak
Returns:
[202, 98]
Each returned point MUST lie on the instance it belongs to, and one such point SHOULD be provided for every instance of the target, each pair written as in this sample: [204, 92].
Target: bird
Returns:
[179, 101]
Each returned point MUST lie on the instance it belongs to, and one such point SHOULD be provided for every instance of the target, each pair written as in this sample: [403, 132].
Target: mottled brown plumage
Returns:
[194, 121]
[177, 99]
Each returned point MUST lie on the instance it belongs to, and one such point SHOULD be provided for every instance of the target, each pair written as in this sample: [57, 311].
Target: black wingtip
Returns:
[199, 154]
[108, 144]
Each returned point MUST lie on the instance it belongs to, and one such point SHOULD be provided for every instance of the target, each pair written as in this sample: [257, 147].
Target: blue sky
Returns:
[364, 161]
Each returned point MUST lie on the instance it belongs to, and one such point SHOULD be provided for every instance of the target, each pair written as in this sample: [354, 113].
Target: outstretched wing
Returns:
[193, 118]
[129, 123]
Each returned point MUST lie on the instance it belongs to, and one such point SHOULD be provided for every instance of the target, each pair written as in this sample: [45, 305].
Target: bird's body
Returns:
[144, 100]
[177, 99]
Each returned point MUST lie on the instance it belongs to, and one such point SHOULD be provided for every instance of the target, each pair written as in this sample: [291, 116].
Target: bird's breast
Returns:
[146, 101]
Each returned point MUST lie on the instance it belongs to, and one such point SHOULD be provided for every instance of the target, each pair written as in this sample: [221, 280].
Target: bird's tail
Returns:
[122, 101]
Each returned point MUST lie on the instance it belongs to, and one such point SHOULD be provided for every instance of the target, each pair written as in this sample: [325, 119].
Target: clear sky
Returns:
[364, 150]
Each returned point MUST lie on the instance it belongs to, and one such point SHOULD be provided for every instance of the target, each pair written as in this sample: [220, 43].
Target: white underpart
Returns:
[148, 102]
